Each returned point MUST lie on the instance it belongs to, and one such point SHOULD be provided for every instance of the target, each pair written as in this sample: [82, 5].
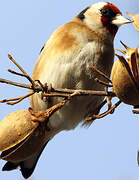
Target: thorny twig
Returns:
[37, 86]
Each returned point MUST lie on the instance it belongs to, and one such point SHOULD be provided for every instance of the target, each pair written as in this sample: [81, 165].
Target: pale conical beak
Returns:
[120, 20]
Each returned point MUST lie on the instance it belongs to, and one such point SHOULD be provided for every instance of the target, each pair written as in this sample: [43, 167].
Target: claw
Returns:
[48, 88]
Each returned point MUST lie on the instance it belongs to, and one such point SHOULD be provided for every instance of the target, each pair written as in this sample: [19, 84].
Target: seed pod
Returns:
[125, 77]
[23, 133]
[20, 137]
[26, 148]
[136, 20]
[14, 128]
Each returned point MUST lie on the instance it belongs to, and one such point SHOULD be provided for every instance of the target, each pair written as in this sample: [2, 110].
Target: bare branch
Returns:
[19, 99]
[59, 92]
[105, 113]
[7, 100]
[15, 83]
[100, 73]
[103, 83]
[135, 111]
[36, 86]
[16, 73]
[67, 92]
[21, 69]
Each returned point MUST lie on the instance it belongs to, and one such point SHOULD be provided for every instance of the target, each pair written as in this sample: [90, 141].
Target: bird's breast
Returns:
[72, 71]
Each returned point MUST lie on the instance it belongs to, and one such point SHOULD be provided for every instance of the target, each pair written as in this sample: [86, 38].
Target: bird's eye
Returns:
[108, 13]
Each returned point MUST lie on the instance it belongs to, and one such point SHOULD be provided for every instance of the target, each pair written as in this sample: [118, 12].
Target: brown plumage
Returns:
[64, 62]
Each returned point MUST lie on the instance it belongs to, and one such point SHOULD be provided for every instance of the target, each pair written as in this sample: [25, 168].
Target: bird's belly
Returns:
[71, 75]
[74, 112]
[69, 116]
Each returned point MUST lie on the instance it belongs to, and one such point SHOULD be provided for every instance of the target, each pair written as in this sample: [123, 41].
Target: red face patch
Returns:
[108, 12]
[113, 8]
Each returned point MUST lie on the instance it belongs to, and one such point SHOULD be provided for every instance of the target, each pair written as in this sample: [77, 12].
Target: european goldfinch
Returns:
[64, 61]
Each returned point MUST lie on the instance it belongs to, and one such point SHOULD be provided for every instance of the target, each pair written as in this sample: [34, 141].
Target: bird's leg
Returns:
[45, 89]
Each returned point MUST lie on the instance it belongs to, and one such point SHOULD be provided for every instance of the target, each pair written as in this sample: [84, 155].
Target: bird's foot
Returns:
[46, 88]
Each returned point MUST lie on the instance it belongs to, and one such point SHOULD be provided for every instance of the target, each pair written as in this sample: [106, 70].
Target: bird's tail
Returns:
[26, 167]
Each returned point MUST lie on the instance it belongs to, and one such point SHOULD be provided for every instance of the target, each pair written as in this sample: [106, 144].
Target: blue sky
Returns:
[108, 149]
